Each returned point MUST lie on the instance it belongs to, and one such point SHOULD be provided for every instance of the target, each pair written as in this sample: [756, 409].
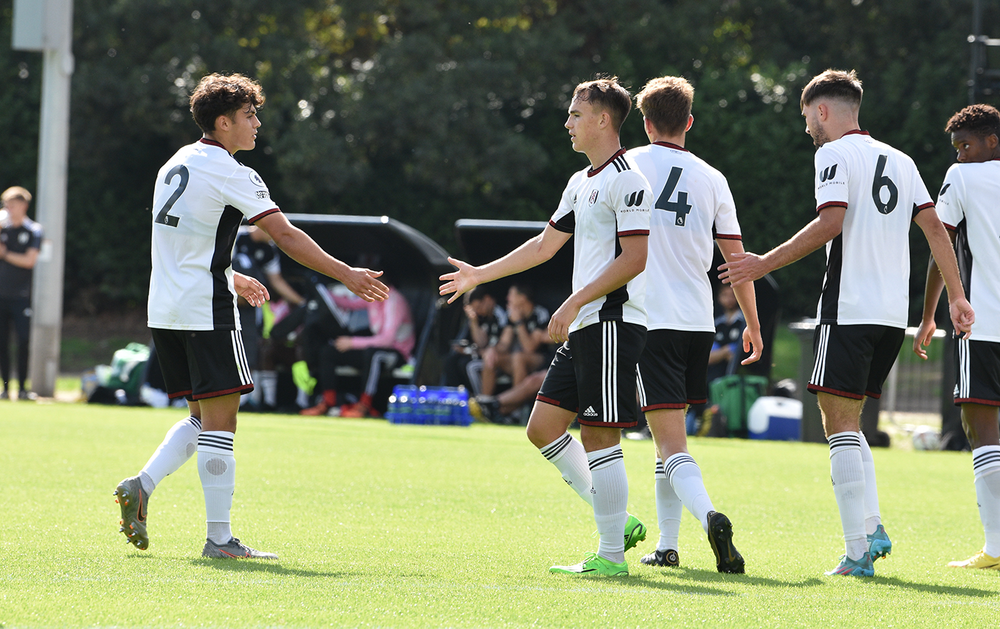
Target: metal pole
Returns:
[50, 199]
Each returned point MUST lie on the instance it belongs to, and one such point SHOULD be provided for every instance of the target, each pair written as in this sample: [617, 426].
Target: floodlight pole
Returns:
[55, 39]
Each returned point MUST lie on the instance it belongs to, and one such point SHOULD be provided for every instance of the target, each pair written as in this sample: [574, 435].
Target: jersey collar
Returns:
[671, 145]
[593, 171]
[857, 132]
[212, 143]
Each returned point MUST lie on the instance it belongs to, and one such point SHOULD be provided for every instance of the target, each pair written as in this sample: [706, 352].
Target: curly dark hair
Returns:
[223, 95]
[606, 94]
[836, 84]
[980, 120]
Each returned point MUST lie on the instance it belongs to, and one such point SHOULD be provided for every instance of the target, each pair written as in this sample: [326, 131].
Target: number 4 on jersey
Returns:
[163, 217]
[680, 207]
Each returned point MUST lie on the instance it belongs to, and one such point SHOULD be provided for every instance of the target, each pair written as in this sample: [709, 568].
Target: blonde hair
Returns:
[16, 192]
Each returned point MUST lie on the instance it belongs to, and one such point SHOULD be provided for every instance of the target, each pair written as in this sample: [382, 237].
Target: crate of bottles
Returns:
[435, 406]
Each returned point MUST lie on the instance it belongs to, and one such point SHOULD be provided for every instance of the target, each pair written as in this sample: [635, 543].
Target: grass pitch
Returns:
[424, 526]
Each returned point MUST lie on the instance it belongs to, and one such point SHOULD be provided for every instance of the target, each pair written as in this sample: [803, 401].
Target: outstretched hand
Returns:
[365, 284]
[743, 267]
[459, 282]
[250, 289]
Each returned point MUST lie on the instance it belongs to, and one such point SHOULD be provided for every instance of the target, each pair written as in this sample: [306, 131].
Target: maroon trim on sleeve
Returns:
[729, 236]
[263, 214]
[634, 232]
[921, 208]
[556, 227]
[949, 227]
[831, 204]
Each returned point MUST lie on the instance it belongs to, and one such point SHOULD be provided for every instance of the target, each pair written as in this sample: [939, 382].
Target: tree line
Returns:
[433, 110]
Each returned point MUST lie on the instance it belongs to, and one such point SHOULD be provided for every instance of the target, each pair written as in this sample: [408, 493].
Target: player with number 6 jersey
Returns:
[867, 194]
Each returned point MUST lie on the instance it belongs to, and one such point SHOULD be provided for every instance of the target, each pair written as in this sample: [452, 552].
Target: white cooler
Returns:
[775, 418]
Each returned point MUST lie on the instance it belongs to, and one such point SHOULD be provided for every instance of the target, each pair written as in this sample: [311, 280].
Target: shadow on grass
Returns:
[711, 576]
[637, 581]
[264, 566]
[934, 588]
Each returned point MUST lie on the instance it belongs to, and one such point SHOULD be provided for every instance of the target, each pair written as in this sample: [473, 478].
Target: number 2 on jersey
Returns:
[680, 207]
[163, 217]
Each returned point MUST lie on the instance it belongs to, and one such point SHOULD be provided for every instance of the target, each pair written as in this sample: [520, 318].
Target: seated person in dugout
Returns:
[390, 345]
[484, 322]
[524, 344]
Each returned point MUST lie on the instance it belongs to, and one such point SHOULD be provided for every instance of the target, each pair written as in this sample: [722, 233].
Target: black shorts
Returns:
[594, 374]
[202, 364]
[673, 369]
[978, 377]
[853, 361]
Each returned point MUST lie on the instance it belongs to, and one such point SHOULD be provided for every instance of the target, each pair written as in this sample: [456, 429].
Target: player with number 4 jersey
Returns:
[693, 210]
[867, 194]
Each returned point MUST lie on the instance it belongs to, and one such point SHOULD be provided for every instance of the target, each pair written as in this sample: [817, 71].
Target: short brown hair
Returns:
[980, 120]
[666, 102]
[606, 94]
[15, 192]
[223, 95]
[836, 84]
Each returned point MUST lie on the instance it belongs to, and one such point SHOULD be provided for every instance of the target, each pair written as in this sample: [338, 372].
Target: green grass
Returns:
[411, 526]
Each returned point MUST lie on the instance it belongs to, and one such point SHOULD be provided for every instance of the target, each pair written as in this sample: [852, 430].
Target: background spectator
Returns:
[20, 242]
[389, 345]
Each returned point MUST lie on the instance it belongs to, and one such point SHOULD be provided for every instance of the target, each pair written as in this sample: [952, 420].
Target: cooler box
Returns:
[775, 418]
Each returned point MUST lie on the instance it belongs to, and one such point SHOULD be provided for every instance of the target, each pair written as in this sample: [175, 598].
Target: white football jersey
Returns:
[201, 196]
[598, 207]
[968, 203]
[868, 264]
[693, 206]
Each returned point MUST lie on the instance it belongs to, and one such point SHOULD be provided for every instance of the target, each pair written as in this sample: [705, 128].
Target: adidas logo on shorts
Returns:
[590, 412]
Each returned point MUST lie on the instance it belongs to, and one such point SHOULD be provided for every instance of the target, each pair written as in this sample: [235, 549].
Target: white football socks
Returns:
[872, 515]
[180, 443]
[986, 468]
[848, 475]
[685, 477]
[668, 510]
[610, 494]
[217, 469]
[569, 457]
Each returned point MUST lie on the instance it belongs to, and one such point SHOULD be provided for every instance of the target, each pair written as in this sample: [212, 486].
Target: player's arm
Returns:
[748, 267]
[530, 254]
[24, 260]
[959, 308]
[296, 243]
[932, 294]
[746, 296]
[626, 266]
